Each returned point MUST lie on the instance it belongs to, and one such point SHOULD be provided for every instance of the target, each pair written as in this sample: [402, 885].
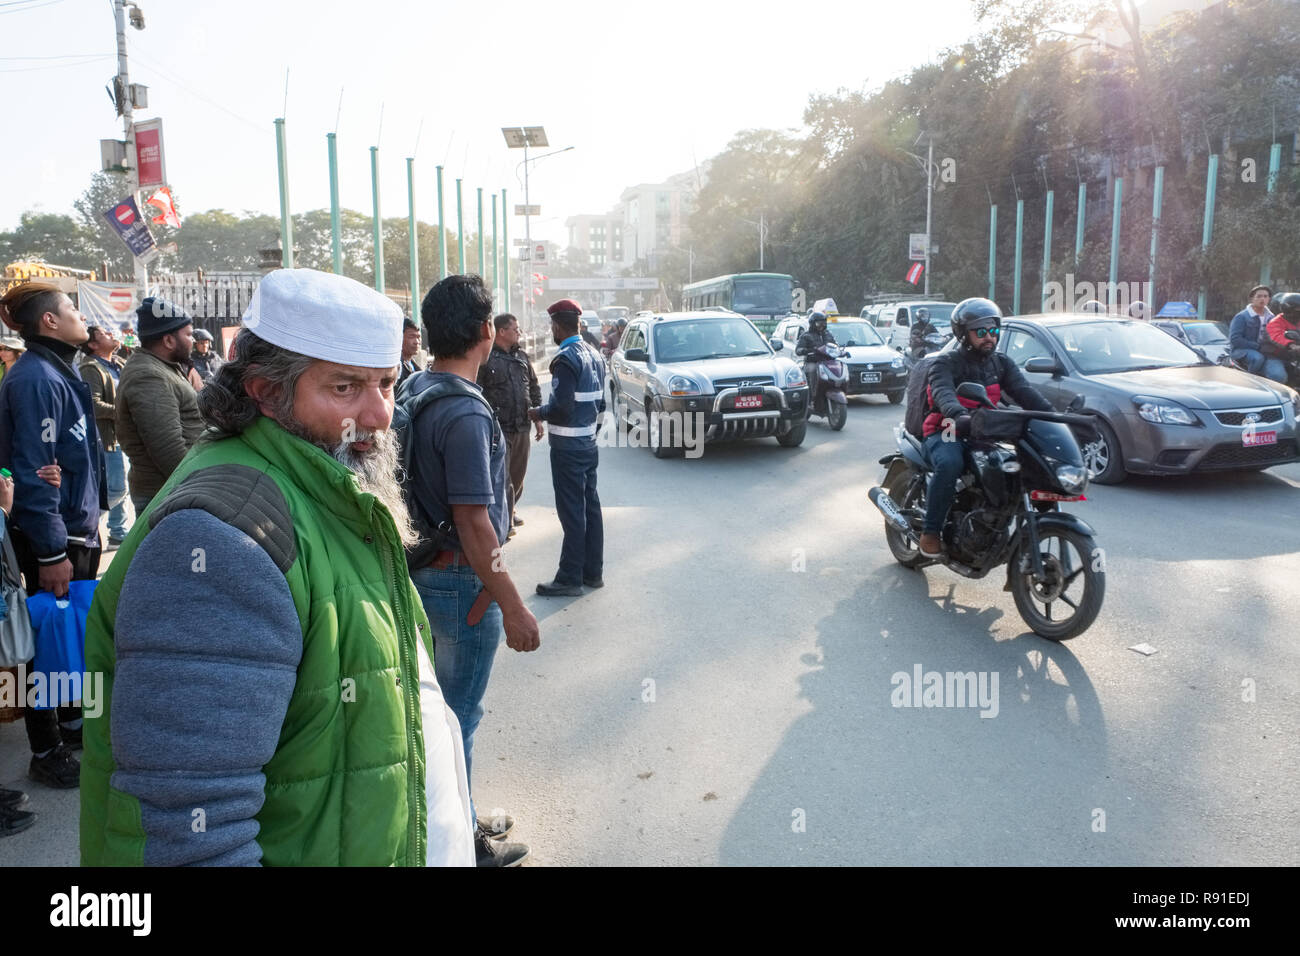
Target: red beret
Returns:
[564, 305]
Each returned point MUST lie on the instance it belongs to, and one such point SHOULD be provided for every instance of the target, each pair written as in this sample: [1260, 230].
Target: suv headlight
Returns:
[680, 385]
[897, 363]
[794, 378]
[1162, 413]
[1072, 478]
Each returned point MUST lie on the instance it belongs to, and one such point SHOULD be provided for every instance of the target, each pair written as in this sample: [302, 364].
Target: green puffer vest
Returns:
[346, 784]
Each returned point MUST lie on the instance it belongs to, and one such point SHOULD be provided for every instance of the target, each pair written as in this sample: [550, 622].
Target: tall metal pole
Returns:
[1274, 163]
[1157, 201]
[482, 250]
[528, 238]
[929, 202]
[378, 220]
[442, 233]
[1115, 214]
[128, 126]
[336, 236]
[460, 229]
[496, 249]
[993, 245]
[762, 228]
[1078, 229]
[505, 243]
[1207, 231]
[286, 219]
[1047, 247]
[413, 238]
[1020, 236]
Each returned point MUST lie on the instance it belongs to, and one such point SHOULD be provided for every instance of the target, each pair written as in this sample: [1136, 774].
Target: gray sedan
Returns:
[1161, 408]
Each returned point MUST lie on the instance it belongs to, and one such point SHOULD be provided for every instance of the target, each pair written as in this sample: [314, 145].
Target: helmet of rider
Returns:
[817, 320]
[622, 323]
[923, 314]
[202, 335]
[1288, 304]
[1092, 305]
[974, 313]
[1140, 310]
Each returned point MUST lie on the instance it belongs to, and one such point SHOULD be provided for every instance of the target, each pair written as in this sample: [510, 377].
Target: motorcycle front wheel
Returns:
[1068, 599]
[836, 415]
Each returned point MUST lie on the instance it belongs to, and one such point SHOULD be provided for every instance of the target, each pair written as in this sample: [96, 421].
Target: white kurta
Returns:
[446, 786]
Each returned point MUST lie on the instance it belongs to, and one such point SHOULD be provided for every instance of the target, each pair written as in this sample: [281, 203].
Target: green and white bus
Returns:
[762, 297]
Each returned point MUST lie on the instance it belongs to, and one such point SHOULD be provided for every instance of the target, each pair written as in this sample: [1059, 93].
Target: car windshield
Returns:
[761, 295]
[707, 339]
[1205, 333]
[855, 332]
[1105, 346]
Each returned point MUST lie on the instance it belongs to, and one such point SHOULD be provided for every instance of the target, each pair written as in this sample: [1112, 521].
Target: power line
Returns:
[27, 6]
[57, 66]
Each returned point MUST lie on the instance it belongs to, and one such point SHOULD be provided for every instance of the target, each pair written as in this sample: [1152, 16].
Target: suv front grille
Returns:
[749, 381]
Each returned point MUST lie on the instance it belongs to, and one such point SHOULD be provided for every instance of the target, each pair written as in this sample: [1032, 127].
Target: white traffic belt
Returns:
[588, 396]
[566, 432]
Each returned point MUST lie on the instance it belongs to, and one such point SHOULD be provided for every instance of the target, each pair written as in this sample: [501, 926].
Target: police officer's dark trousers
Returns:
[573, 473]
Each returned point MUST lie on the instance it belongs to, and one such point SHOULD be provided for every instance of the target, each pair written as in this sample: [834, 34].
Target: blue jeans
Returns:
[573, 473]
[115, 466]
[462, 655]
[1257, 363]
[948, 458]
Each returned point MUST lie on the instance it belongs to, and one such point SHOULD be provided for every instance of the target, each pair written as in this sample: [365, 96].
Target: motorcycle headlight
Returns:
[1073, 478]
[681, 385]
[897, 363]
[794, 378]
[1162, 413]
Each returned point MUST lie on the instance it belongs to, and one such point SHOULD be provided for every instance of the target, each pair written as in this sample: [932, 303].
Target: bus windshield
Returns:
[768, 295]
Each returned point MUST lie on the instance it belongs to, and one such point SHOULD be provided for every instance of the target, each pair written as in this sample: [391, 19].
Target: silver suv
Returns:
[705, 371]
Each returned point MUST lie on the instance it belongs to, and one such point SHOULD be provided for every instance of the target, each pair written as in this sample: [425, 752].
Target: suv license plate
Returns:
[870, 376]
[1250, 439]
[749, 401]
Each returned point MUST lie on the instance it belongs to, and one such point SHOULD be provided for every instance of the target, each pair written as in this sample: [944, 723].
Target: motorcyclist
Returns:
[1287, 320]
[976, 325]
[807, 346]
[920, 329]
[612, 335]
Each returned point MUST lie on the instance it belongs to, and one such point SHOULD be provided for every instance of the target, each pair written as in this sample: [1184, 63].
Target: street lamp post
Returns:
[126, 107]
[523, 137]
[928, 165]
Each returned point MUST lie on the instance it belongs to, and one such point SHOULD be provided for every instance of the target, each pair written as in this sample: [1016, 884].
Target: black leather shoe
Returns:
[13, 799]
[594, 582]
[490, 852]
[556, 589]
[57, 769]
[16, 821]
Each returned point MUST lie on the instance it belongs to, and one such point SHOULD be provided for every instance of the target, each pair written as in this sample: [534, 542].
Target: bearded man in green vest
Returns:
[298, 720]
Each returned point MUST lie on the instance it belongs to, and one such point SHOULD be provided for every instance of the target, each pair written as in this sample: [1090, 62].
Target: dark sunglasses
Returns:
[980, 333]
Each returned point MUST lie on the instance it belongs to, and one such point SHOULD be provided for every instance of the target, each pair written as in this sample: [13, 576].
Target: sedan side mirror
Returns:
[777, 344]
[636, 355]
[1042, 365]
[974, 392]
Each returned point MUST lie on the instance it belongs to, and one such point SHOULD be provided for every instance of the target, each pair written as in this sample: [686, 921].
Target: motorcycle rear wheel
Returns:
[1075, 580]
[908, 492]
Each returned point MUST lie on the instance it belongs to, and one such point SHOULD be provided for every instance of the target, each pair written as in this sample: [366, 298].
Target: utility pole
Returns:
[929, 203]
[128, 122]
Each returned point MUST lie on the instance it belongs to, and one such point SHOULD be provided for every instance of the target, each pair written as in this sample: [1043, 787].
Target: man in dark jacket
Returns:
[1245, 333]
[816, 336]
[976, 324]
[920, 329]
[157, 408]
[410, 348]
[102, 370]
[46, 416]
[510, 386]
[204, 358]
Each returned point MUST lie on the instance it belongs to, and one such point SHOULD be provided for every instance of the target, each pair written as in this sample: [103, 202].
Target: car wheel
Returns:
[1103, 457]
[795, 436]
[895, 398]
[663, 442]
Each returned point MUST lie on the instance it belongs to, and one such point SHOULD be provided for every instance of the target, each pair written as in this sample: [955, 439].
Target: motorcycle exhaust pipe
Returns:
[880, 498]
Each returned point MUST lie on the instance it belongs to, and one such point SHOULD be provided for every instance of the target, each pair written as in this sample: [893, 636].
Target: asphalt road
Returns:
[714, 704]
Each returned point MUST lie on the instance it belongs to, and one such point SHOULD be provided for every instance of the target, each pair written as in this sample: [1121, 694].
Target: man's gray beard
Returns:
[376, 472]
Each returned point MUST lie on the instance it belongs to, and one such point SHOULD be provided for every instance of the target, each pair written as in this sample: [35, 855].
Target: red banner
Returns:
[149, 153]
[914, 273]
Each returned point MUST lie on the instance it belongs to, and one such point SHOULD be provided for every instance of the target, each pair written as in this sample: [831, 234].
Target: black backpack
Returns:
[440, 536]
[916, 403]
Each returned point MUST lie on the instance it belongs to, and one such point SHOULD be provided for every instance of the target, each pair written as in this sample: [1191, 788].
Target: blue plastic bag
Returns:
[60, 626]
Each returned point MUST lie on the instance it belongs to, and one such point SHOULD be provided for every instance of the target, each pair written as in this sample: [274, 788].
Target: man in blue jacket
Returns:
[1245, 332]
[47, 416]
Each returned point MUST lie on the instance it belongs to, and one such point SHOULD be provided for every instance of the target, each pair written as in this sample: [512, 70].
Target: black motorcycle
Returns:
[1022, 465]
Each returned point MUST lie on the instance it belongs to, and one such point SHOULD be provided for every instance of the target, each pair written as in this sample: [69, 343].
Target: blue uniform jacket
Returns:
[577, 393]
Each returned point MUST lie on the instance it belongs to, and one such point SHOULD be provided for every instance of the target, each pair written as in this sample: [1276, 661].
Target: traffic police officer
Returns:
[577, 398]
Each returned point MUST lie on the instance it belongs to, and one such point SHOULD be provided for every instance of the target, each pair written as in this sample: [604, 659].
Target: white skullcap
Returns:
[326, 316]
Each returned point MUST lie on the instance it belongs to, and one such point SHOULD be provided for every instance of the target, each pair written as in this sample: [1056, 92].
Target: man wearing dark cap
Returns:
[157, 407]
[410, 346]
[577, 399]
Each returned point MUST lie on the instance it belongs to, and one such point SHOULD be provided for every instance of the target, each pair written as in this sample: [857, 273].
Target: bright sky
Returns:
[641, 91]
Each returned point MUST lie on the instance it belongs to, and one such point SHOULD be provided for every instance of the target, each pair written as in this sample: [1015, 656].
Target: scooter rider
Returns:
[807, 346]
[920, 329]
[976, 325]
[1274, 341]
